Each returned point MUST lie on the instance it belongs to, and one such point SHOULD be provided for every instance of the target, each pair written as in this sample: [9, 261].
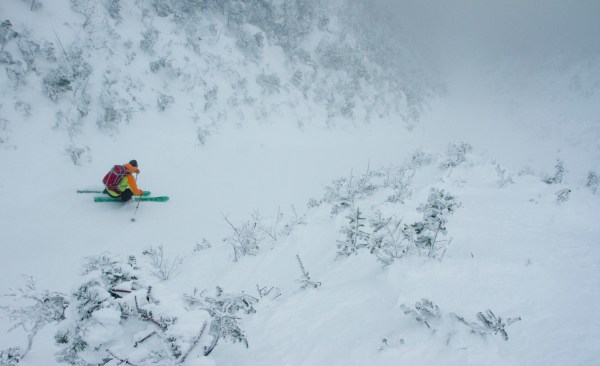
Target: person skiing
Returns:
[120, 183]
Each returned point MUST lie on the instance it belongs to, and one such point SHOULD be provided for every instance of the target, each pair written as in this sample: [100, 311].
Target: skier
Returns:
[120, 183]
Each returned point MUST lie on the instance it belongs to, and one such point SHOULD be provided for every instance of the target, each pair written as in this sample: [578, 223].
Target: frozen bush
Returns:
[164, 101]
[489, 323]
[356, 237]
[162, 267]
[77, 154]
[223, 310]
[424, 311]
[6, 33]
[11, 356]
[270, 83]
[210, 97]
[115, 318]
[455, 155]
[156, 66]
[504, 178]
[86, 8]
[563, 195]
[559, 173]
[400, 184]
[387, 241]
[429, 314]
[23, 107]
[202, 133]
[251, 45]
[149, 38]
[35, 4]
[246, 238]
[36, 309]
[592, 181]
[71, 74]
[114, 8]
[344, 191]
[305, 280]
[425, 235]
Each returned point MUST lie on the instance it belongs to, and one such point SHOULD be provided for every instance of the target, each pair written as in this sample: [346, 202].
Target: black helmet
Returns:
[133, 163]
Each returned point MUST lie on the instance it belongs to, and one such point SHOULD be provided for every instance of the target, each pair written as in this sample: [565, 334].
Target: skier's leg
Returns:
[126, 195]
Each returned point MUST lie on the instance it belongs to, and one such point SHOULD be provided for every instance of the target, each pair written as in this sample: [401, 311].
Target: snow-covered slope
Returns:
[516, 248]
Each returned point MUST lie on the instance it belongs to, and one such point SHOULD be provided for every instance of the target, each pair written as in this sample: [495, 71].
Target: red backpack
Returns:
[113, 178]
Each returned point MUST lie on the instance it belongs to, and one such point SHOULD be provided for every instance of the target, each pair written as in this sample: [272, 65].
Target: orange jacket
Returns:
[131, 183]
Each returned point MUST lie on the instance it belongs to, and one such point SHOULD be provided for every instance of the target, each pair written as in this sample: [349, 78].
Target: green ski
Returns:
[152, 199]
[146, 193]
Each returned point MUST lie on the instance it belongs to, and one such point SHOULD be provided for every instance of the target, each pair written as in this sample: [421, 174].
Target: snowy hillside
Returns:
[333, 201]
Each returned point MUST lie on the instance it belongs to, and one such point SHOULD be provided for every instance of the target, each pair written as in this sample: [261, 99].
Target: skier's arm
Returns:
[133, 186]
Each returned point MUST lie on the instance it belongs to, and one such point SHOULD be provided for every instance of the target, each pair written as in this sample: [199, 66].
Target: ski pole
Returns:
[138, 204]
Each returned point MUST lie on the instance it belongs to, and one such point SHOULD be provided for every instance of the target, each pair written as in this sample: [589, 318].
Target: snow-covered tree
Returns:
[306, 280]
[489, 323]
[355, 236]
[223, 310]
[35, 309]
[387, 241]
[559, 173]
[592, 181]
[425, 234]
[455, 155]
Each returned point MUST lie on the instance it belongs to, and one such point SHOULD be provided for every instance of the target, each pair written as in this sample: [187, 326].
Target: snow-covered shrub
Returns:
[489, 323]
[3, 128]
[163, 267]
[355, 236]
[387, 241]
[223, 310]
[419, 159]
[163, 101]
[344, 191]
[205, 244]
[305, 280]
[251, 44]
[156, 65]
[266, 291]
[210, 97]
[11, 356]
[424, 311]
[6, 33]
[77, 154]
[72, 74]
[400, 183]
[455, 155]
[96, 309]
[149, 38]
[23, 107]
[113, 7]
[86, 8]
[292, 223]
[592, 181]
[270, 83]
[35, 4]
[115, 318]
[504, 178]
[424, 235]
[202, 133]
[562, 195]
[36, 309]
[29, 51]
[246, 238]
[559, 173]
